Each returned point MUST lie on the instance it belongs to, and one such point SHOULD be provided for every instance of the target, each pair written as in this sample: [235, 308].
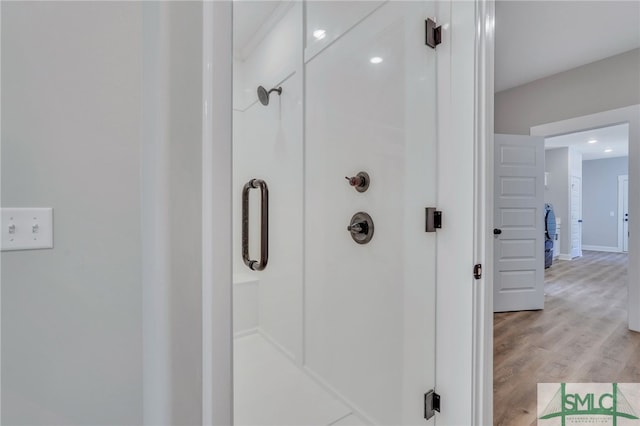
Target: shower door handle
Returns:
[256, 265]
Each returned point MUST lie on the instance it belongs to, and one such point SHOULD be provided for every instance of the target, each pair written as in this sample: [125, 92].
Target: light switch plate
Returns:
[26, 228]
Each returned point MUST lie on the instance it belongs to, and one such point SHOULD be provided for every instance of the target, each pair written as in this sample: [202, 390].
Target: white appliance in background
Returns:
[556, 240]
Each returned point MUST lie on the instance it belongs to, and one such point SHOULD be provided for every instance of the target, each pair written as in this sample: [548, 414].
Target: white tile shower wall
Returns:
[335, 18]
[268, 145]
[271, 61]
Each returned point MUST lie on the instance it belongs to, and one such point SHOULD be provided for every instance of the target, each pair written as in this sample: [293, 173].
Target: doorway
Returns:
[549, 99]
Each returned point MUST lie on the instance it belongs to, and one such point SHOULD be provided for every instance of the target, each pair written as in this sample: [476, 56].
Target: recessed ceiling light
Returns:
[319, 34]
[376, 60]
[608, 150]
[592, 141]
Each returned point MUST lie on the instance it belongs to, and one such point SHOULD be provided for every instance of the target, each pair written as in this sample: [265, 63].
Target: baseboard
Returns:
[601, 248]
[563, 256]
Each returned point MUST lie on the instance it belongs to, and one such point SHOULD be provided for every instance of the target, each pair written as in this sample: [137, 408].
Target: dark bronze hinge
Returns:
[431, 404]
[433, 36]
[477, 271]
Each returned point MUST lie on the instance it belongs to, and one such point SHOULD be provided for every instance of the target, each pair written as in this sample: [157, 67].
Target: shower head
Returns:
[263, 95]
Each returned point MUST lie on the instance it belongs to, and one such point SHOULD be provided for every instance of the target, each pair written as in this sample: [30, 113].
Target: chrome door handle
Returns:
[256, 265]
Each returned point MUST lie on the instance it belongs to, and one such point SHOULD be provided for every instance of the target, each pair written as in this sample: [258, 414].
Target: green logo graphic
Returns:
[613, 404]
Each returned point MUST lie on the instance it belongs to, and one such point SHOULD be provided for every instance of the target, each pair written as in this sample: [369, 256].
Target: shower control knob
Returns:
[358, 228]
[360, 182]
[361, 228]
[355, 180]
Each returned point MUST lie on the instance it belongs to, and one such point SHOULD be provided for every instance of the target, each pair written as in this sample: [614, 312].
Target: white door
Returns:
[576, 216]
[518, 223]
[623, 212]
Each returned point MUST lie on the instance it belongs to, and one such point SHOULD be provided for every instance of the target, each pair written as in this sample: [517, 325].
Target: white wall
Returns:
[556, 191]
[72, 316]
[599, 199]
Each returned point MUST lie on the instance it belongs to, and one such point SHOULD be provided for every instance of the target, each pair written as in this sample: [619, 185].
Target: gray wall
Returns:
[599, 199]
[557, 190]
[185, 210]
[600, 86]
[101, 120]
[72, 316]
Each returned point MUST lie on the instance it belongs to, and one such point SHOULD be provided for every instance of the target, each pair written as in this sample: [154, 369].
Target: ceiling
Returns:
[536, 39]
[615, 138]
[248, 17]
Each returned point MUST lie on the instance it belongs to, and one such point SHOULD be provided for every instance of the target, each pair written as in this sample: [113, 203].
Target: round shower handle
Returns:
[361, 228]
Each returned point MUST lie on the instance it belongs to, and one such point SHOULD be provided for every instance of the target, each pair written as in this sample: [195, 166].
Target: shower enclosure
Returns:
[334, 278]
[116, 117]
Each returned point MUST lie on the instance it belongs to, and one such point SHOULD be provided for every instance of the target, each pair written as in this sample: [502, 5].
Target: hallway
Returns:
[580, 336]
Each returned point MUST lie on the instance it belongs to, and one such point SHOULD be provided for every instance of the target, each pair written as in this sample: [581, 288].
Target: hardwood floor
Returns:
[580, 336]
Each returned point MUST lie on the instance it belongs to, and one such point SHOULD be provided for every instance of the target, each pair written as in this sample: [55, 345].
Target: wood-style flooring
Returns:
[580, 336]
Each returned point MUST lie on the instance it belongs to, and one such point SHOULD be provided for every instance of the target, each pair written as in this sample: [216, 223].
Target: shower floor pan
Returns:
[271, 390]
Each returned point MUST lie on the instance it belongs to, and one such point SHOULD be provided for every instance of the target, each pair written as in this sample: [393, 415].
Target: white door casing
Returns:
[576, 216]
[518, 223]
[623, 213]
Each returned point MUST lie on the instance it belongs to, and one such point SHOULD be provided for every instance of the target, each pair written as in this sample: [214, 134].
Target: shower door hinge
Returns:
[433, 219]
[433, 36]
[431, 404]
[477, 271]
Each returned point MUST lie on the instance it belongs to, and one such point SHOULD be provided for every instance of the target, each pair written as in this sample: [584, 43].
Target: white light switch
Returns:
[27, 228]
[612, 214]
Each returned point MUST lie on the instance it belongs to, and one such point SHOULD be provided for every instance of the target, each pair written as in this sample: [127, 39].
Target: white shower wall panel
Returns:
[270, 59]
[268, 145]
[367, 307]
[335, 18]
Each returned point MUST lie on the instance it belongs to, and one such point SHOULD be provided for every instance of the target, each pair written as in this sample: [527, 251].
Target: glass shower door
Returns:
[339, 326]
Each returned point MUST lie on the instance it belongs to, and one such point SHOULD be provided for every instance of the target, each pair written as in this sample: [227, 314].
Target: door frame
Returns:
[483, 134]
[578, 249]
[630, 115]
[622, 178]
[217, 125]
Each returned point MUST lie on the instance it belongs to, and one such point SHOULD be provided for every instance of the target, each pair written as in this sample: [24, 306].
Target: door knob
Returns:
[497, 231]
